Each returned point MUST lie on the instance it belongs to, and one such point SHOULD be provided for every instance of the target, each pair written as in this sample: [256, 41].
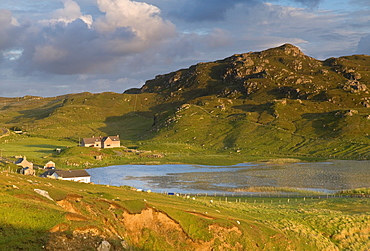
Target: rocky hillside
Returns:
[277, 100]
[274, 102]
[283, 72]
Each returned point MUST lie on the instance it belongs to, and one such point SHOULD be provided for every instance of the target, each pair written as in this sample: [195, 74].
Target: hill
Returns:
[277, 102]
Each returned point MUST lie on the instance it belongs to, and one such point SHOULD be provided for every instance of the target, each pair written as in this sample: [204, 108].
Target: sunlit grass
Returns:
[32, 147]
[302, 223]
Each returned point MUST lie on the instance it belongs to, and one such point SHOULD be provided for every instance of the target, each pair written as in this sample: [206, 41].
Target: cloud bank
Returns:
[72, 43]
[215, 10]
[9, 31]
[98, 45]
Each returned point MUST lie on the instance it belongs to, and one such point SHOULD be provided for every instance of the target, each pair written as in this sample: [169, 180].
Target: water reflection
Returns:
[325, 176]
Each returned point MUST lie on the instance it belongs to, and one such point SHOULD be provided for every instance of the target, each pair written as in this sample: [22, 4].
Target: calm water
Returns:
[324, 176]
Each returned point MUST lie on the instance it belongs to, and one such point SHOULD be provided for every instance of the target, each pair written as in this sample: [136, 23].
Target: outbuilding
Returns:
[73, 175]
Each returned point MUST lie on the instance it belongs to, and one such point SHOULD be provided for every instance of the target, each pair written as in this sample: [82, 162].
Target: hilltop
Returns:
[277, 102]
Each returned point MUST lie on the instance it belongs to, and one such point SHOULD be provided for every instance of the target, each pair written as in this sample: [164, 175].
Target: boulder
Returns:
[354, 86]
[43, 193]
[104, 246]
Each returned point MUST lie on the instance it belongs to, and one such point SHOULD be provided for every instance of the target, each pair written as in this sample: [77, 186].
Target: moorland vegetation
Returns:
[277, 102]
[273, 104]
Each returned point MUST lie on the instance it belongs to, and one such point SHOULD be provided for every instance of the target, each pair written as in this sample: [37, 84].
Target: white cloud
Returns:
[68, 14]
[141, 18]
[71, 12]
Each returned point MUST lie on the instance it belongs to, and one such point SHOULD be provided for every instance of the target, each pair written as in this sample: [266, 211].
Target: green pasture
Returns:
[271, 223]
[36, 149]
[39, 150]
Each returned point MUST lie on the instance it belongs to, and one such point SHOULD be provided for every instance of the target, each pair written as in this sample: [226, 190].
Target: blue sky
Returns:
[55, 47]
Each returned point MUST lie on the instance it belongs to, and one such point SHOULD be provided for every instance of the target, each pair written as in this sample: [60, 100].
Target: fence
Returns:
[266, 198]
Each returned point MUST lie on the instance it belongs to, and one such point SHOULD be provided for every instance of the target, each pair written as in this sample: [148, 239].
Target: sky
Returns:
[55, 47]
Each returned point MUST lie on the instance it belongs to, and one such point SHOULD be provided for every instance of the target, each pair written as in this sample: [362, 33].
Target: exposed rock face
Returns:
[124, 226]
[354, 86]
[284, 72]
[291, 50]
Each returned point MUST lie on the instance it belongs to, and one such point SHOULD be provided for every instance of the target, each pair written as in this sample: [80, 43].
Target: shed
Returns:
[49, 165]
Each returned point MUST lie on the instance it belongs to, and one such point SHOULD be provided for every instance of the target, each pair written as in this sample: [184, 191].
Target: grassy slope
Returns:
[263, 224]
[275, 102]
[80, 115]
[295, 105]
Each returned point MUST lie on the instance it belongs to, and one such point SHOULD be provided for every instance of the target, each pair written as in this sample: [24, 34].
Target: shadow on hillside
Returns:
[166, 107]
[218, 71]
[16, 238]
[45, 148]
[37, 113]
[255, 107]
[325, 125]
[130, 126]
[195, 93]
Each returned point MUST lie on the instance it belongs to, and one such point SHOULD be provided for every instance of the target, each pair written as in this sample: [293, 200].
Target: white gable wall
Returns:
[78, 179]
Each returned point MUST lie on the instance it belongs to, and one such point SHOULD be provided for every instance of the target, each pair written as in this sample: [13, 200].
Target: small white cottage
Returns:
[74, 175]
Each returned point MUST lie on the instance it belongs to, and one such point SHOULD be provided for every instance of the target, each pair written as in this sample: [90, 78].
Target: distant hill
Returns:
[274, 102]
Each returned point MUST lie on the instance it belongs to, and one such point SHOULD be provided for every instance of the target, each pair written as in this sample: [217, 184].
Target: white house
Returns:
[27, 167]
[49, 165]
[101, 142]
[74, 175]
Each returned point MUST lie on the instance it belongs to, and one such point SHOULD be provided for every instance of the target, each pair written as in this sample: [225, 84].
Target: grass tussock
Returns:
[277, 190]
[356, 192]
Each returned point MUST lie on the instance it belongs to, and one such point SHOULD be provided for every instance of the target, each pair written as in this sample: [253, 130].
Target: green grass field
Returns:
[82, 213]
[33, 147]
